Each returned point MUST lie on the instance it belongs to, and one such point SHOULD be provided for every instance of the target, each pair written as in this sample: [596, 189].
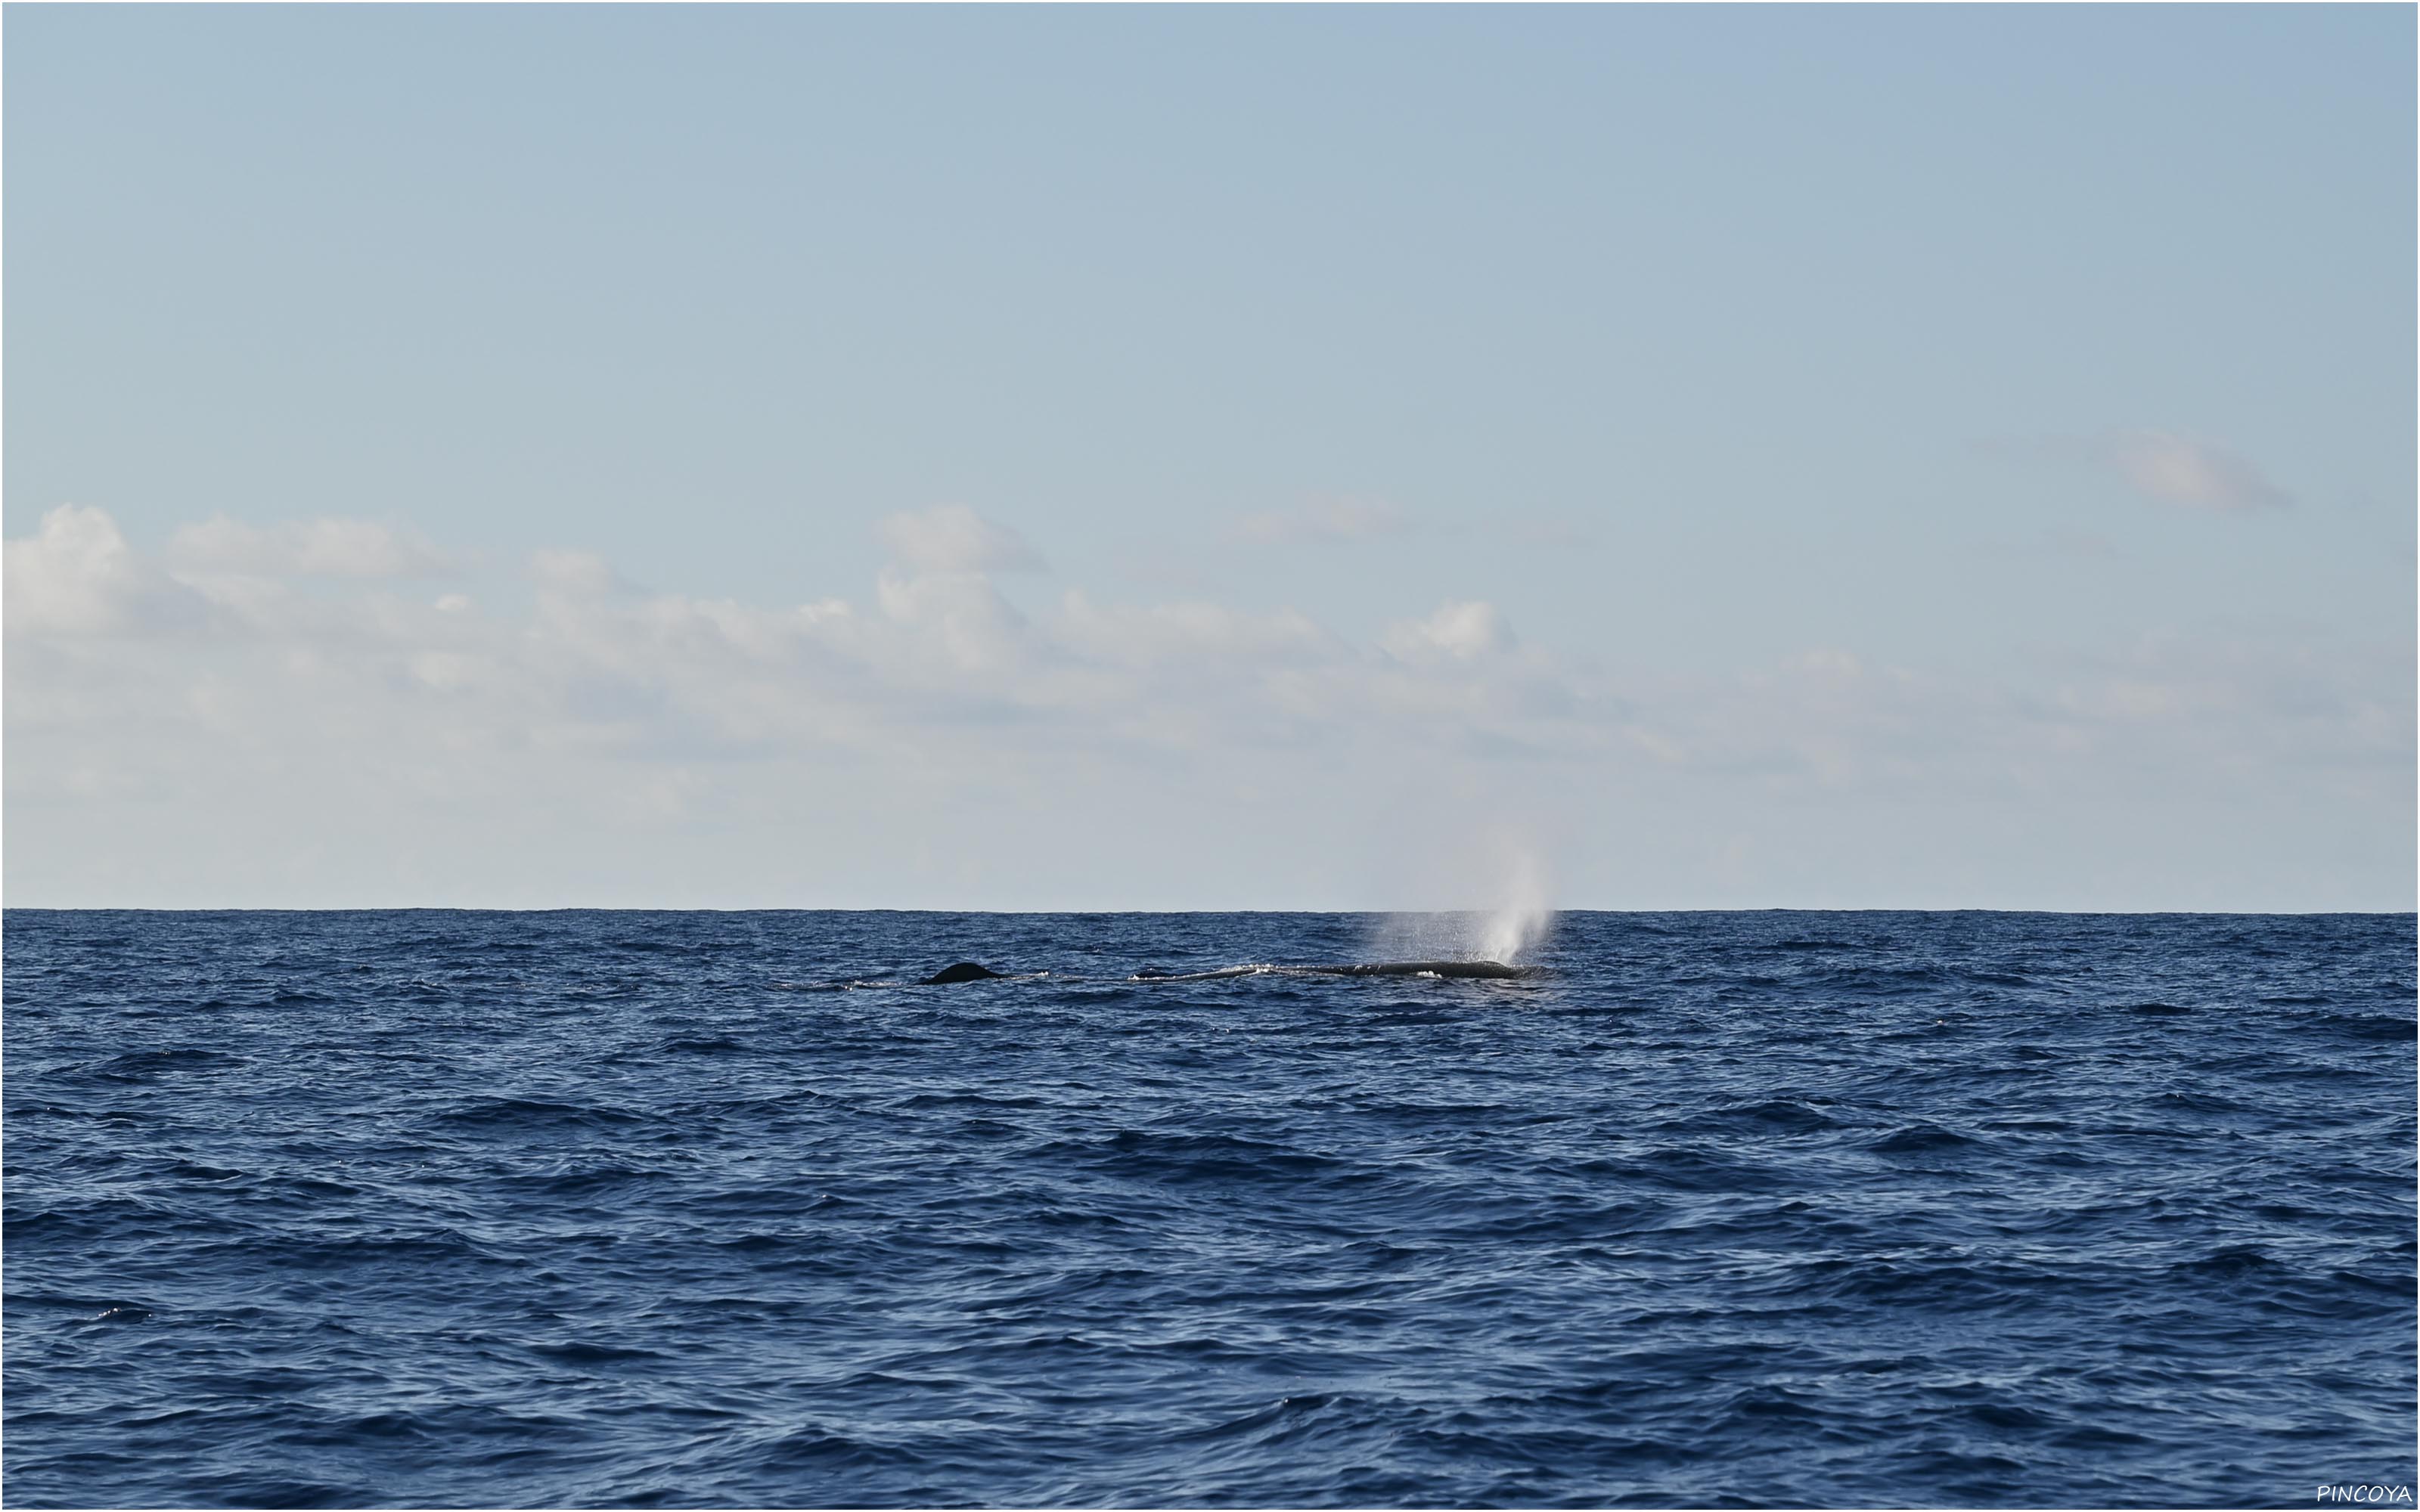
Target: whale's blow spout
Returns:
[1509, 872]
[1522, 921]
[963, 971]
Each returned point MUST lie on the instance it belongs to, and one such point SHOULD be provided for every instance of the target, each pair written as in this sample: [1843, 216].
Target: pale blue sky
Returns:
[2041, 377]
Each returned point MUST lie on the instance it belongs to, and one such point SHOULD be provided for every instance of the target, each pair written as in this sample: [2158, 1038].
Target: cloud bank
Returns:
[329, 714]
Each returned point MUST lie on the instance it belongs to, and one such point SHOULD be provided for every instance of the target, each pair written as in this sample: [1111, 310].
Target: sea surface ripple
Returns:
[637, 1208]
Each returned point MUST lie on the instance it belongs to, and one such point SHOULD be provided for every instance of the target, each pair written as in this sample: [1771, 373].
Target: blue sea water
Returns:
[640, 1208]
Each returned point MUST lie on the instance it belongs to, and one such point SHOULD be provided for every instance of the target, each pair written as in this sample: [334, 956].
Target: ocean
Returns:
[627, 1208]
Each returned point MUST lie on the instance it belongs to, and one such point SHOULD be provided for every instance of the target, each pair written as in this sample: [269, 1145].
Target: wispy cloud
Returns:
[1462, 632]
[954, 538]
[1324, 519]
[2179, 469]
[557, 570]
[1555, 532]
[2162, 467]
[311, 547]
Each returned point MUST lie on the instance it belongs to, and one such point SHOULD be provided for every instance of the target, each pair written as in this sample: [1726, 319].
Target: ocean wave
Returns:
[595, 1210]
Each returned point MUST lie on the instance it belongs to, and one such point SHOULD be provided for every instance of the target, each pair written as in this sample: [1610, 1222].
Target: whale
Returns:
[951, 976]
[963, 971]
[1488, 970]
[1479, 970]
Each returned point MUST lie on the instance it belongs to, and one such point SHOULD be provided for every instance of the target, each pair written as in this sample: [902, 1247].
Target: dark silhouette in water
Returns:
[951, 976]
[1490, 970]
[963, 971]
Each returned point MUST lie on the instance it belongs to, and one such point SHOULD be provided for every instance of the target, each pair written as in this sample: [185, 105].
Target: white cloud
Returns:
[1826, 662]
[960, 613]
[1190, 632]
[1463, 631]
[1324, 519]
[560, 571]
[931, 714]
[313, 548]
[2177, 469]
[79, 577]
[952, 538]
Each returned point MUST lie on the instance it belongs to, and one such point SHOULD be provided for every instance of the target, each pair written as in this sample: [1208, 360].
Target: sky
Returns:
[1209, 457]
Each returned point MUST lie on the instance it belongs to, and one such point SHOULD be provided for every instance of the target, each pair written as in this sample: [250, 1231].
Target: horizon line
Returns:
[786, 908]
